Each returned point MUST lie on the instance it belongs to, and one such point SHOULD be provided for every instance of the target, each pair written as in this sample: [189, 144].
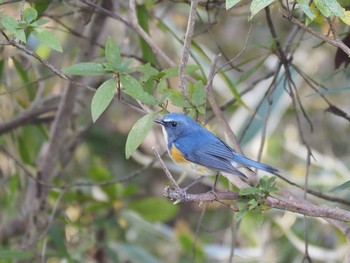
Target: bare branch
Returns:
[216, 109]
[28, 116]
[139, 30]
[333, 41]
[36, 56]
[187, 46]
[165, 169]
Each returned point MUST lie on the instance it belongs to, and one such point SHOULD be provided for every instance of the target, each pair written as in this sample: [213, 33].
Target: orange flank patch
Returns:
[187, 165]
[176, 154]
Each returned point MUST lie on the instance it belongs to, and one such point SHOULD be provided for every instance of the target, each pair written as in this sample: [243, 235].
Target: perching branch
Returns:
[290, 204]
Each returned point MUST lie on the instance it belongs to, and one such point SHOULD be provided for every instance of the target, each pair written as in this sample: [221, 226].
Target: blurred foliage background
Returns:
[67, 192]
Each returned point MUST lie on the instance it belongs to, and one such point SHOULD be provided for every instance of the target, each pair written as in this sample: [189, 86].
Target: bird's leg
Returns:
[215, 182]
[193, 183]
[213, 189]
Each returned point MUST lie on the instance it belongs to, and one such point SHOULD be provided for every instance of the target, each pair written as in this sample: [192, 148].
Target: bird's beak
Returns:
[161, 122]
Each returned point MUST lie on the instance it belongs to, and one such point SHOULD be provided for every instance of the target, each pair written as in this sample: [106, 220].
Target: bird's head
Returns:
[176, 125]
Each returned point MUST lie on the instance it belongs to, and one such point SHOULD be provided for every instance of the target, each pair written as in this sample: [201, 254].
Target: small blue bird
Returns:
[197, 150]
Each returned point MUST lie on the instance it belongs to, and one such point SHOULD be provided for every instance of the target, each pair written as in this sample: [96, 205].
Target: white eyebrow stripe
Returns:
[167, 120]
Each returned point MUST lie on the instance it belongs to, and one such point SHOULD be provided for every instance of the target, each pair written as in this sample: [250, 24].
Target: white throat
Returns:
[165, 136]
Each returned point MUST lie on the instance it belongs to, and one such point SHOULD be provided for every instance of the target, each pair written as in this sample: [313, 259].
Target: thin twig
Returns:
[306, 187]
[216, 109]
[139, 30]
[9, 2]
[36, 56]
[187, 46]
[107, 12]
[315, 193]
[196, 236]
[240, 52]
[333, 41]
[27, 116]
[165, 169]
[77, 184]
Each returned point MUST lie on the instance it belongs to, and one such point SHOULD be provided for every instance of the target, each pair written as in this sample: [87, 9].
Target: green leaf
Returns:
[102, 98]
[263, 184]
[138, 133]
[47, 38]
[2, 68]
[271, 180]
[146, 50]
[177, 98]
[304, 5]
[241, 213]
[57, 236]
[252, 204]
[14, 255]
[154, 209]
[330, 91]
[231, 3]
[174, 71]
[198, 93]
[329, 8]
[19, 33]
[9, 23]
[257, 5]
[100, 173]
[249, 191]
[342, 187]
[169, 72]
[148, 72]
[23, 150]
[258, 216]
[251, 71]
[134, 253]
[189, 245]
[191, 68]
[41, 5]
[134, 89]
[30, 14]
[39, 22]
[124, 66]
[112, 52]
[85, 69]
[23, 73]
[12, 25]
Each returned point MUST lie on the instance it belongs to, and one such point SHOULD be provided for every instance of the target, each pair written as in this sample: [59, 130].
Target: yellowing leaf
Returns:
[329, 7]
[231, 3]
[304, 5]
[346, 18]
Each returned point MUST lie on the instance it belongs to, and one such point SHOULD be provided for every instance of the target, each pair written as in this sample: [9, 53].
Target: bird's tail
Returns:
[250, 163]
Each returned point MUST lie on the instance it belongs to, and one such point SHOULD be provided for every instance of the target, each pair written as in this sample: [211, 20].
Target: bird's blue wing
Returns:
[236, 159]
[212, 153]
[217, 155]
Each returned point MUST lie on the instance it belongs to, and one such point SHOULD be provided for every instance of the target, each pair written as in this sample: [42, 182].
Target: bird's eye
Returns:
[173, 124]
